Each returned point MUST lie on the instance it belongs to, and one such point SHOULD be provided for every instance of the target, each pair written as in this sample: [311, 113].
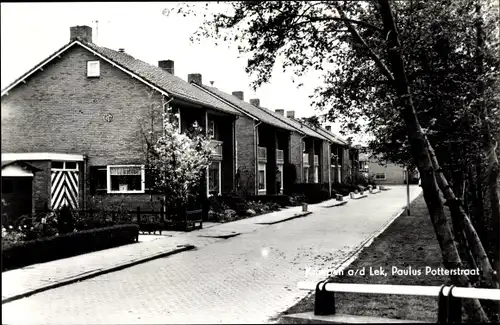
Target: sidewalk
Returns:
[32, 279]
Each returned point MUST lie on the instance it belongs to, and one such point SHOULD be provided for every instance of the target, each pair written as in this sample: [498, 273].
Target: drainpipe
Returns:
[235, 153]
[256, 182]
[165, 104]
[329, 166]
[84, 181]
[302, 158]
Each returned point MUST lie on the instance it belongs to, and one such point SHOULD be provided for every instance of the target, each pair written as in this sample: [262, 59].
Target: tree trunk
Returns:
[489, 144]
[420, 146]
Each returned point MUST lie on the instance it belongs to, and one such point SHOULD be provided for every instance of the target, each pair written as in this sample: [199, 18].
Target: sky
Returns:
[30, 32]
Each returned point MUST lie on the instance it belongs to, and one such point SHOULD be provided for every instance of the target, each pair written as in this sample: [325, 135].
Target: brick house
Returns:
[81, 117]
[267, 140]
[263, 144]
[385, 172]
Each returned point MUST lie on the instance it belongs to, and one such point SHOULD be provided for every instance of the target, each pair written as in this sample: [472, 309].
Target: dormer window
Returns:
[93, 69]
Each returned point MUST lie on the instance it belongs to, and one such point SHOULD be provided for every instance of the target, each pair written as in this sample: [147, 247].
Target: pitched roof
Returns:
[265, 115]
[174, 85]
[254, 111]
[303, 127]
[331, 136]
[152, 75]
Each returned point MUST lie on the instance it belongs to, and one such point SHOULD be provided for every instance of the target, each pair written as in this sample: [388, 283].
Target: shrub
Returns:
[281, 200]
[262, 207]
[65, 220]
[47, 249]
[313, 192]
[231, 201]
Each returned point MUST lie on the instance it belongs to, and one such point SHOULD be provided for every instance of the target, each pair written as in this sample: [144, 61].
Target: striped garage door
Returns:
[64, 189]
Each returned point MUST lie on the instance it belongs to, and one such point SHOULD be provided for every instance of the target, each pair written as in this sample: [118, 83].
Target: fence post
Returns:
[138, 215]
[454, 308]
[442, 307]
[324, 301]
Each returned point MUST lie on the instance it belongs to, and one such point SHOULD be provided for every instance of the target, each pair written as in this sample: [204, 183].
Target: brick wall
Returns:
[296, 154]
[64, 112]
[41, 184]
[246, 153]
[325, 161]
[394, 174]
[346, 166]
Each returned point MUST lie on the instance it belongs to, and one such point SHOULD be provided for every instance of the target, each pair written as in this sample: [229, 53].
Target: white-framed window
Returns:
[93, 69]
[380, 176]
[279, 177]
[316, 174]
[64, 165]
[211, 129]
[306, 174]
[214, 177]
[126, 179]
[261, 177]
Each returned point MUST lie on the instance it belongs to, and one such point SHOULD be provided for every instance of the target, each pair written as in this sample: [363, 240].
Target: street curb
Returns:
[368, 241]
[95, 273]
[300, 215]
[336, 204]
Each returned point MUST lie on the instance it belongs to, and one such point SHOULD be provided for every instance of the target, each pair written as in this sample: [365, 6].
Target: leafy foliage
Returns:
[421, 76]
[177, 162]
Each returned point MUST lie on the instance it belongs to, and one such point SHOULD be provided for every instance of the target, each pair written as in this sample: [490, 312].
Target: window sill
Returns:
[126, 192]
[264, 191]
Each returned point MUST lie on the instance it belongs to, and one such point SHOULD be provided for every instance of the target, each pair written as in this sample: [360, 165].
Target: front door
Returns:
[64, 186]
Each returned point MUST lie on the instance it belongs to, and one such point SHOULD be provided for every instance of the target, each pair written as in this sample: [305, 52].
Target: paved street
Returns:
[245, 279]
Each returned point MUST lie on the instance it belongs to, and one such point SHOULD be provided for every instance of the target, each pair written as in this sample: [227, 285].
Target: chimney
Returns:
[328, 128]
[121, 50]
[280, 111]
[238, 94]
[255, 102]
[167, 65]
[290, 114]
[81, 33]
[195, 77]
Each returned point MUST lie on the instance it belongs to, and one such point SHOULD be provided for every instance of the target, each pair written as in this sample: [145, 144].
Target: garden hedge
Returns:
[313, 192]
[282, 200]
[62, 246]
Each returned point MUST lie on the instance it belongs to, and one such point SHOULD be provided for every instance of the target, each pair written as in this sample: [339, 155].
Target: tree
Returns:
[312, 121]
[177, 163]
[385, 55]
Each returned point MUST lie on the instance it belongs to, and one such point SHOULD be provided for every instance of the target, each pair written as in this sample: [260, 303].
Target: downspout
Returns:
[256, 182]
[84, 181]
[329, 166]
[235, 153]
[165, 104]
[302, 148]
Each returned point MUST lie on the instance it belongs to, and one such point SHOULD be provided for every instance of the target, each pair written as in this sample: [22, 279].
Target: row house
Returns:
[75, 130]
[262, 144]
[82, 117]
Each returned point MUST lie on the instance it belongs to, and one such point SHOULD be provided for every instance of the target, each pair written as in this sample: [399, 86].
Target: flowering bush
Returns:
[11, 237]
[177, 162]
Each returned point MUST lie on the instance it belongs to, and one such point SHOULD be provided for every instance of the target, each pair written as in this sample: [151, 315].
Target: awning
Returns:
[16, 171]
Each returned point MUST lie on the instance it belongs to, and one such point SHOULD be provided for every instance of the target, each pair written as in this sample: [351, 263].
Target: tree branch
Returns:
[378, 61]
